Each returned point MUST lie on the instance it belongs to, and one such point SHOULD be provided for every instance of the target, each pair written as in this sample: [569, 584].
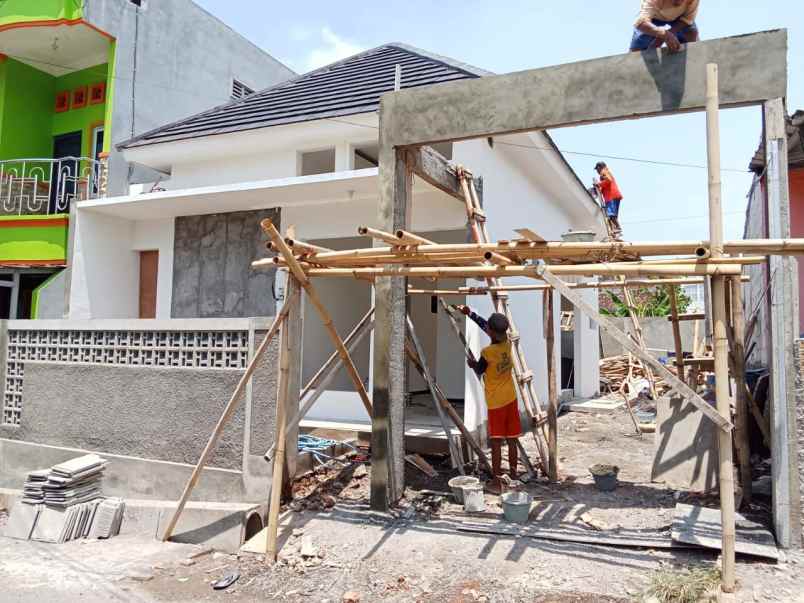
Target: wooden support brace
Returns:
[682, 317]
[227, 413]
[312, 295]
[608, 326]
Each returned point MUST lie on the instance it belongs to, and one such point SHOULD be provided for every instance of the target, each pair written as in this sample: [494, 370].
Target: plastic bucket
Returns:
[458, 483]
[516, 506]
[473, 499]
[605, 477]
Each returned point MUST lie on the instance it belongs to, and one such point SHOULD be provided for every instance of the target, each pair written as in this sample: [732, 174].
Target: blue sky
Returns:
[661, 202]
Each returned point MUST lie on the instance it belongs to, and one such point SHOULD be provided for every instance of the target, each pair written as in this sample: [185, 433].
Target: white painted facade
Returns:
[523, 187]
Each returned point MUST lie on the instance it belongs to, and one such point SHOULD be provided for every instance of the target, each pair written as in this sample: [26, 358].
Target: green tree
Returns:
[648, 302]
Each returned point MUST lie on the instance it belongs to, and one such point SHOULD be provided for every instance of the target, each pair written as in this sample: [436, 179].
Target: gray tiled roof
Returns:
[348, 87]
[795, 145]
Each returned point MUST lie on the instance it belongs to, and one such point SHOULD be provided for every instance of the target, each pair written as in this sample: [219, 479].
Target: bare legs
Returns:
[496, 457]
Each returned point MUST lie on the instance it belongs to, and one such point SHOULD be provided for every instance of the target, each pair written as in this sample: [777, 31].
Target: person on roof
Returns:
[611, 197]
[661, 22]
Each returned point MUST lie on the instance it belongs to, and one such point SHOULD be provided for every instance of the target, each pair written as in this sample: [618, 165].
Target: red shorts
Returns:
[504, 421]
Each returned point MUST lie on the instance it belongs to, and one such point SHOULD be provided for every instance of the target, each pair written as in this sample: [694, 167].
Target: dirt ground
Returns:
[335, 549]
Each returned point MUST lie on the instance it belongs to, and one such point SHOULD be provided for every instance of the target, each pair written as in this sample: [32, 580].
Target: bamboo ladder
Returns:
[524, 376]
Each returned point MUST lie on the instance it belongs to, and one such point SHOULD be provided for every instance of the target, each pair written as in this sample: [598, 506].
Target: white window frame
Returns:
[94, 139]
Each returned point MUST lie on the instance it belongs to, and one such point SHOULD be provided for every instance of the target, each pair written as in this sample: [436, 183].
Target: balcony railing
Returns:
[48, 186]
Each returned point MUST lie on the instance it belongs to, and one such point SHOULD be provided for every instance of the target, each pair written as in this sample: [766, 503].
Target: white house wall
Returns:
[105, 271]
[157, 235]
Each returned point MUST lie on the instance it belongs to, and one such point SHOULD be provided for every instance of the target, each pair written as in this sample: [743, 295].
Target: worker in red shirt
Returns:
[611, 195]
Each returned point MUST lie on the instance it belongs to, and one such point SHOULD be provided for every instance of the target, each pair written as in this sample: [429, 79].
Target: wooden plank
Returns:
[737, 345]
[682, 317]
[227, 413]
[432, 167]
[527, 233]
[701, 526]
[675, 383]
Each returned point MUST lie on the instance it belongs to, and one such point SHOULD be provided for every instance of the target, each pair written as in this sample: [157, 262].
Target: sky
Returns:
[661, 202]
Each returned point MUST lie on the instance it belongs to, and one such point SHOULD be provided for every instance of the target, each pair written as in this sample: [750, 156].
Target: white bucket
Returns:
[516, 506]
[459, 483]
[473, 499]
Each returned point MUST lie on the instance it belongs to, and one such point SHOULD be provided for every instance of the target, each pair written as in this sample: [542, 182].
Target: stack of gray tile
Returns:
[74, 482]
[65, 503]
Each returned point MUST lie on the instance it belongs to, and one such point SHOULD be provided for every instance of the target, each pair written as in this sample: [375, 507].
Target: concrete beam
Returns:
[753, 68]
[432, 167]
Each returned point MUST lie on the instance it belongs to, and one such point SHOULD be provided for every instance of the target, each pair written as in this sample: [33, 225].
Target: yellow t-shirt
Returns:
[497, 379]
[666, 10]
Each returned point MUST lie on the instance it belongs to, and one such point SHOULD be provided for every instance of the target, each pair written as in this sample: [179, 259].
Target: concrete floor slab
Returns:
[22, 520]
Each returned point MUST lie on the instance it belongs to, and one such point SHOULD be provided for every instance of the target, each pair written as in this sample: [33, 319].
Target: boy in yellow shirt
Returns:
[495, 366]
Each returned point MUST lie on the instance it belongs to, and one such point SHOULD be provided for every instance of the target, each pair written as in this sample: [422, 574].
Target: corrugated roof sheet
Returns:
[348, 87]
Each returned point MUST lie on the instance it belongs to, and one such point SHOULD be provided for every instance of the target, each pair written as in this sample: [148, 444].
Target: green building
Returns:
[77, 76]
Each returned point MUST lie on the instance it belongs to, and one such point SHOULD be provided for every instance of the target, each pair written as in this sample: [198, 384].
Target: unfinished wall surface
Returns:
[172, 60]
[658, 334]
[800, 425]
[158, 413]
[212, 274]
[51, 297]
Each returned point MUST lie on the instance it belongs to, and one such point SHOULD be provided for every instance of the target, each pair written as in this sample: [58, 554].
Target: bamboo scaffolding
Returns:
[312, 295]
[672, 293]
[552, 393]
[408, 238]
[737, 345]
[380, 235]
[568, 250]
[632, 283]
[303, 247]
[523, 271]
[227, 413]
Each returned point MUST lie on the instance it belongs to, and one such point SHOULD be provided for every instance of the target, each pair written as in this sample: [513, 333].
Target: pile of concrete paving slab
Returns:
[65, 503]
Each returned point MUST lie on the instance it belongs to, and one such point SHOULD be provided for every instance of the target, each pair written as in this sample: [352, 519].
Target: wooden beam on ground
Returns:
[607, 325]
[312, 295]
[227, 413]
[432, 167]
[286, 351]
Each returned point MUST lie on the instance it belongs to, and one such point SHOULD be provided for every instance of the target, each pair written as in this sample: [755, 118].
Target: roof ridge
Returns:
[445, 60]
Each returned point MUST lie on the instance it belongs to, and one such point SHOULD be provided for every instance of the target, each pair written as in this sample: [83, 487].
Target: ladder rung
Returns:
[478, 214]
[513, 336]
[526, 377]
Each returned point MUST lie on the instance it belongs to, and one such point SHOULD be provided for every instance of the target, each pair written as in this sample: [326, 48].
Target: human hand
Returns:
[471, 363]
[465, 310]
[672, 42]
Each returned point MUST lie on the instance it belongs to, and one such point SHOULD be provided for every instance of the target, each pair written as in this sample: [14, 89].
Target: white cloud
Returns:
[332, 48]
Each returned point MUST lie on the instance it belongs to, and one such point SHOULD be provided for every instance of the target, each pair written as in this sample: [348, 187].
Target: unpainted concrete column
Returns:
[388, 417]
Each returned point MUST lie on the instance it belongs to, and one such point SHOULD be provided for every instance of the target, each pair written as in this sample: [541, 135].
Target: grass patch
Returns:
[686, 586]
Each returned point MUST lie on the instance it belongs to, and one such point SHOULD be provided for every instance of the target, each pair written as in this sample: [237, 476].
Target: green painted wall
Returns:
[28, 100]
[80, 119]
[20, 11]
[20, 242]
[28, 121]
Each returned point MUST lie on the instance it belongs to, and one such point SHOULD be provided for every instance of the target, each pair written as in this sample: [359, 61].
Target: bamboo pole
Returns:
[567, 250]
[303, 247]
[467, 435]
[323, 377]
[638, 337]
[647, 360]
[408, 238]
[552, 394]
[454, 451]
[227, 413]
[720, 342]
[326, 319]
[672, 293]
[285, 352]
[741, 437]
[632, 283]
[524, 271]
[380, 235]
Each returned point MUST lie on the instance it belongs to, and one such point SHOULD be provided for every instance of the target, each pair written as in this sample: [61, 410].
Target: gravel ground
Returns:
[333, 548]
